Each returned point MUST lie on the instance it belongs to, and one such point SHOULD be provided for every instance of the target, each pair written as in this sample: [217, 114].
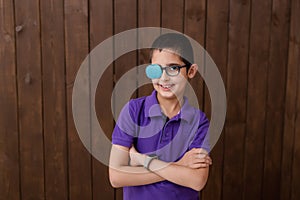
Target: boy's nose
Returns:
[164, 76]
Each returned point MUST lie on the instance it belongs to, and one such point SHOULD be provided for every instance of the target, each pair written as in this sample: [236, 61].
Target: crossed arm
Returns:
[190, 171]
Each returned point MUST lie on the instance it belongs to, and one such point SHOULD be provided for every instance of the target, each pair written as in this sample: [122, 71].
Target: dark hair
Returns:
[175, 42]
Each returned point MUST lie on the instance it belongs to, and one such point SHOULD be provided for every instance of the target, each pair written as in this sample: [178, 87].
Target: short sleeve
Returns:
[201, 137]
[124, 130]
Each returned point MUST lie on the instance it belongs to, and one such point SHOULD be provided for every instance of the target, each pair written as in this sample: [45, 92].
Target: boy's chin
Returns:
[168, 95]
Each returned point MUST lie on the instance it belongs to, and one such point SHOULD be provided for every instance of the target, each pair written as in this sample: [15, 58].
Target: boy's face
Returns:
[170, 87]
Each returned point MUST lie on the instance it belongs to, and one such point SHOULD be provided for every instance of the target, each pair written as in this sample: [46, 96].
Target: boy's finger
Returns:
[203, 151]
[202, 161]
[202, 155]
[200, 150]
[201, 165]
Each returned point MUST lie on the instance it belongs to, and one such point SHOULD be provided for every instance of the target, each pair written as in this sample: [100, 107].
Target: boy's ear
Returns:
[192, 71]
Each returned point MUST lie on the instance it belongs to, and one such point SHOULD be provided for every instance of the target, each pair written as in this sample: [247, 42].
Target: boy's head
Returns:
[176, 43]
[171, 65]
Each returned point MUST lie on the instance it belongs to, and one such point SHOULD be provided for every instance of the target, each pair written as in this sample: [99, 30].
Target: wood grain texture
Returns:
[217, 48]
[149, 15]
[27, 17]
[76, 49]
[125, 18]
[237, 72]
[101, 28]
[290, 149]
[256, 98]
[295, 194]
[275, 98]
[172, 16]
[9, 142]
[54, 95]
[194, 27]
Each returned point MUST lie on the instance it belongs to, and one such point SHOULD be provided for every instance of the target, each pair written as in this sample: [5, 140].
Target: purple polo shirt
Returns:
[141, 123]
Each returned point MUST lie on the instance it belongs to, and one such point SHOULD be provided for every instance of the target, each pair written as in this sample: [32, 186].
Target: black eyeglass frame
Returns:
[168, 67]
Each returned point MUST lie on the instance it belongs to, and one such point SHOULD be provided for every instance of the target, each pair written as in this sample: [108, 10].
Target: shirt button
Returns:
[167, 134]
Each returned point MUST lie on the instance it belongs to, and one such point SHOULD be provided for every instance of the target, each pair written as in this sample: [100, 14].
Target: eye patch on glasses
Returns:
[155, 71]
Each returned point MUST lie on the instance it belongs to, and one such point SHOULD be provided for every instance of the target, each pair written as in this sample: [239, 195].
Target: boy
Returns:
[158, 150]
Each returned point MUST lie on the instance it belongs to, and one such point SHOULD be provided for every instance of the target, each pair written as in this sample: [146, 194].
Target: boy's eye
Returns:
[173, 68]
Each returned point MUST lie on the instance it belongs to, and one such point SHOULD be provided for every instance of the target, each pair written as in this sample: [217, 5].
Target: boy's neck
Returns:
[170, 107]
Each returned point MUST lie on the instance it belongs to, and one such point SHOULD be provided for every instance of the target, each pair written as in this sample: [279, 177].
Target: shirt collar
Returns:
[152, 108]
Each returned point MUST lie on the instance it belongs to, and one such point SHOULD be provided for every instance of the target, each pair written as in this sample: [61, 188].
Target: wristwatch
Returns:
[148, 160]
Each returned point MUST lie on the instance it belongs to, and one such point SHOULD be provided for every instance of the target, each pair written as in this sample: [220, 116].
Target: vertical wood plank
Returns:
[216, 46]
[275, 98]
[289, 174]
[9, 143]
[125, 17]
[101, 28]
[30, 98]
[237, 100]
[77, 46]
[194, 27]
[295, 193]
[52, 32]
[173, 14]
[256, 98]
[195, 20]
[149, 15]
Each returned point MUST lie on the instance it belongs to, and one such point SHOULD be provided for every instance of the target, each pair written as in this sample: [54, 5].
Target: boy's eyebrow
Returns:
[172, 64]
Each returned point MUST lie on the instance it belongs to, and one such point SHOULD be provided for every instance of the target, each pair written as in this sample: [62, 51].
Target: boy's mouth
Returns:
[165, 87]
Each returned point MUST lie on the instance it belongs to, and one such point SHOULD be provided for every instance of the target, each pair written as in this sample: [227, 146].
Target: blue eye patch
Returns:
[154, 71]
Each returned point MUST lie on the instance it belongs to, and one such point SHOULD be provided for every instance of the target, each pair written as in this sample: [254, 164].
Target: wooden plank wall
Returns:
[255, 44]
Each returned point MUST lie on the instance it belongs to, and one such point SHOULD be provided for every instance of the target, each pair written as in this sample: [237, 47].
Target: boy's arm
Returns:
[181, 175]
[121, 174]
[188, 171]
[193, 175]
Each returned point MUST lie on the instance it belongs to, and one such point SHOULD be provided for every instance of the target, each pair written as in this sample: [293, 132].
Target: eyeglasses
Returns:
[154, 71]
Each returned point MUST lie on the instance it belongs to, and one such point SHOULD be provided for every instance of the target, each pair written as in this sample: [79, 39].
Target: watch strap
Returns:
[148, 160]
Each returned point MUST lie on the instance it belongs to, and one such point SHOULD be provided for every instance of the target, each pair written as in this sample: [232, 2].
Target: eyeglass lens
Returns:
[155, 71]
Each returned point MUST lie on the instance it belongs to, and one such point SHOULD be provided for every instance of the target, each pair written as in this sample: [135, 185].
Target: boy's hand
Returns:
[136, 158]
[195, 158]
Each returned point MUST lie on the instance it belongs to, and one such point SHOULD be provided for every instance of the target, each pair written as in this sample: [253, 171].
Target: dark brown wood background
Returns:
[255, 44]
